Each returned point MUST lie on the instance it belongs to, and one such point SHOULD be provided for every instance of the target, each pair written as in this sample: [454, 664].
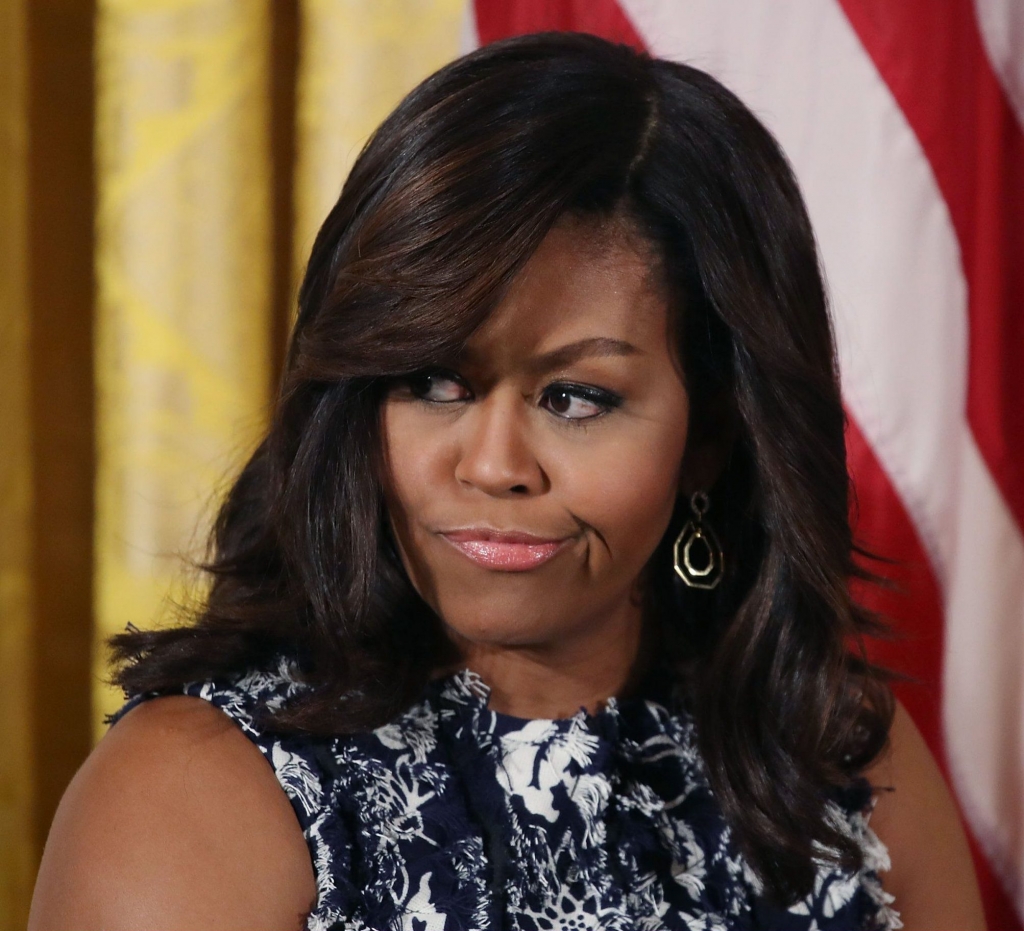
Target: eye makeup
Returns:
[442, 386]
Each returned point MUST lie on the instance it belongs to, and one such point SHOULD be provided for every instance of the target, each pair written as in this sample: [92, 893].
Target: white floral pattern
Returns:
[455, 817]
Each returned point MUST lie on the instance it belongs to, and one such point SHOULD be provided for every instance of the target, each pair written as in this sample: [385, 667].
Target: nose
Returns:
[496, 455]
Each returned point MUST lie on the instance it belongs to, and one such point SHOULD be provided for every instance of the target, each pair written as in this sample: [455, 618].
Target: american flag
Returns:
[903, 120]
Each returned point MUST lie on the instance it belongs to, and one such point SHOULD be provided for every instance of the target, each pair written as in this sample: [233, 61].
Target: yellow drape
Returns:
[17, 850]
[192, 124]
[183, 270]
[45, 423]
[358, 59]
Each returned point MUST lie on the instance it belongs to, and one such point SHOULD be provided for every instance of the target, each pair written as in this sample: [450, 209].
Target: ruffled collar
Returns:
[465, 695]
[465, 817]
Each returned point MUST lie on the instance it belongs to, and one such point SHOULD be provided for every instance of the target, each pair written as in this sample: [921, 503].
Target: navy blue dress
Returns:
[454, 817]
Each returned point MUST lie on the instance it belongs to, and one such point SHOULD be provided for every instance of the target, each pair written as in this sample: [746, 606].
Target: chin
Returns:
[490, 629]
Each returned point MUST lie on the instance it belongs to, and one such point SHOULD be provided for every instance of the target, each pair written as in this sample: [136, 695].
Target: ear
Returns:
[712, 433]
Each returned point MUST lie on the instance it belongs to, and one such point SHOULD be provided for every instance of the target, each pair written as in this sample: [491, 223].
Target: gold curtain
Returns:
[358, 59]
[184, 276]
[164, 165]
[16, 797]
[46, 436]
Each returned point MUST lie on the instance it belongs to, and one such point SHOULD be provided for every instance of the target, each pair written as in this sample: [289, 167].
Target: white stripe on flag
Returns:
[983, 687]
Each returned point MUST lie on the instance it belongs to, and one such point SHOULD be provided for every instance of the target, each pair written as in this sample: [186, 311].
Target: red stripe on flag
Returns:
[932, 58]
[497, 19]
[914, 607]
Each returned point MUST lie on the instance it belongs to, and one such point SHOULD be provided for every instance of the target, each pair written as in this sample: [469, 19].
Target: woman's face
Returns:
[531, 479]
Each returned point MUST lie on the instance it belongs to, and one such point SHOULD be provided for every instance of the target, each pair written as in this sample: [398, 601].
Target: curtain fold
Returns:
[164, 165]
[17, 850]
[46, 422]
[183, 266]
[357, 59]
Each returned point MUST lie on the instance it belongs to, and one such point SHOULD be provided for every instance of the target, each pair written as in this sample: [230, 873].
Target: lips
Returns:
[505, 550]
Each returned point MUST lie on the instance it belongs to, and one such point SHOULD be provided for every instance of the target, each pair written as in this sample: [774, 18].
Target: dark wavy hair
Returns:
[447, 201]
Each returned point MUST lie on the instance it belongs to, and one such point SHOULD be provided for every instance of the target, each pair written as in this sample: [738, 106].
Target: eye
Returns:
[438, 387]
[579, 402]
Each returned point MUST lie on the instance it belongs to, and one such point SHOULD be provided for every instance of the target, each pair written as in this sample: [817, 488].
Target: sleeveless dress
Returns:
[454, 816]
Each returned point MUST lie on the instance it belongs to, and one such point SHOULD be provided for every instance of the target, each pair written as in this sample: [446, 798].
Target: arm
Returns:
[932, 875]
[175, 822]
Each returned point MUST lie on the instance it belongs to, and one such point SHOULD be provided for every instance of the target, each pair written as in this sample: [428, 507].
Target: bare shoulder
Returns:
[175, 821]
[932, 875]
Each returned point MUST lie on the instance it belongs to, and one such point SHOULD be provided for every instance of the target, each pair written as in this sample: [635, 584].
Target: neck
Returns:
[555, 680]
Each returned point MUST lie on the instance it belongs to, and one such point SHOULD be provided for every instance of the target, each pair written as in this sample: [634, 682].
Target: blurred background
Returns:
[165, 164]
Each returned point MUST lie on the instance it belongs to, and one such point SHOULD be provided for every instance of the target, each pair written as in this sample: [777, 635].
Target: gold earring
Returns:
[705, 573]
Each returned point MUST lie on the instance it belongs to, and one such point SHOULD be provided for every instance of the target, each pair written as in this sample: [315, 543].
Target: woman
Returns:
[535, 596]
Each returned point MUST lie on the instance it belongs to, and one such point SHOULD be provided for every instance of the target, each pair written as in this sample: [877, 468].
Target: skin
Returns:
[932, 875]
[176, 821]
[497, 441]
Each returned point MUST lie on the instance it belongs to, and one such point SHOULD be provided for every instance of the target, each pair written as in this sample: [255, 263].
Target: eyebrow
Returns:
[573, 352]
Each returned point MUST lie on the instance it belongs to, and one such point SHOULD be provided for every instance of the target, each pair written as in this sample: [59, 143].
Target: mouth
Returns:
[505, 550]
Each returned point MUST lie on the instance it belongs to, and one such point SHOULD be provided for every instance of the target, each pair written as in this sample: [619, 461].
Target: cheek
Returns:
[412, 462]
[415, 472]
[423, 453]
[627, 495]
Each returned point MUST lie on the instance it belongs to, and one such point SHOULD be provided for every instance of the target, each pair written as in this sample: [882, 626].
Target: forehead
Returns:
[587, 279]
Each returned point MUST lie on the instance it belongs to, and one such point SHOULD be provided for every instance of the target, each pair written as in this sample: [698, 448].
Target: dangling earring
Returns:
[706, 570]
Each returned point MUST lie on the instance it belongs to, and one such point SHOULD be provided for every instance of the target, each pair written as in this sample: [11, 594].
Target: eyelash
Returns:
[606, 400]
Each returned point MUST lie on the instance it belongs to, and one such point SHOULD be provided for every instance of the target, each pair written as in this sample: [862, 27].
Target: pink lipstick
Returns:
[504, 550]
